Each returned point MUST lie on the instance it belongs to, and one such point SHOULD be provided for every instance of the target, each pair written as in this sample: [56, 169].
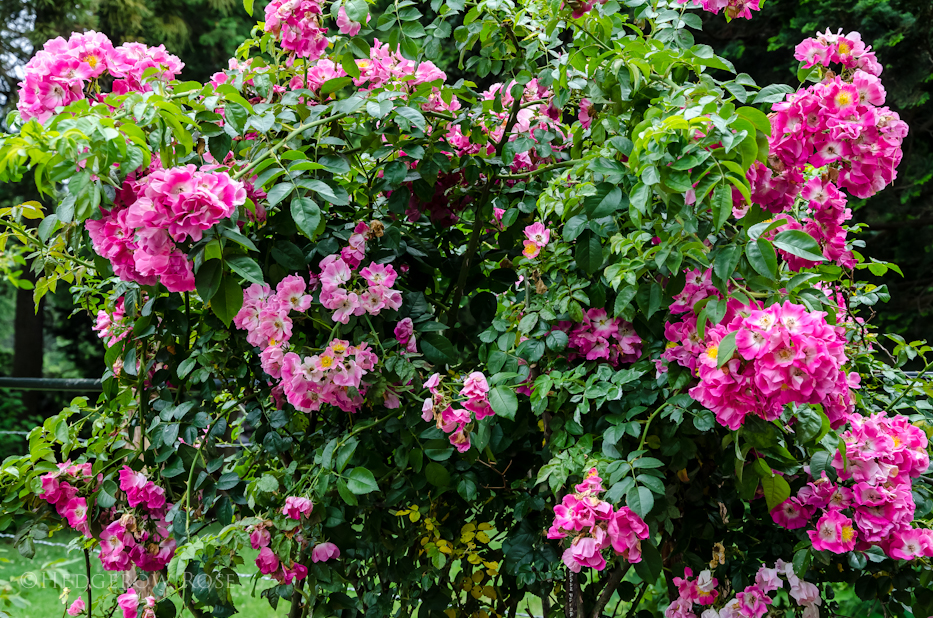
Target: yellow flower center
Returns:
[91, 60]
[327, 361]
[712, 352]
[847, 534]
[843, 98]
[530, 250]
[844, 48]
[339, 348]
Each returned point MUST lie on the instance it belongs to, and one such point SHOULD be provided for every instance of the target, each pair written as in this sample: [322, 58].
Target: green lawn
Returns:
[39, 583]
[32, 588]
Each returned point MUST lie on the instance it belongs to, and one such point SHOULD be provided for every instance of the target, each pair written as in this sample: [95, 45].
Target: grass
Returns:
[34, 588]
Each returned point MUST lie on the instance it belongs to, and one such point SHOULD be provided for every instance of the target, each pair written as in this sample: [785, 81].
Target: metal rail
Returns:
[63, 385]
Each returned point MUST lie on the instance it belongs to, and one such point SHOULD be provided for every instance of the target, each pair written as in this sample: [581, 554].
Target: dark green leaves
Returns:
[503, 401]
[438, 349]
[589, 253]
[245, 267]
[799, 243]
[227, 301]
[437, 474]
[722, 206]
[726, 349]
[608, 199]
[361, 481]
[762, 257]
[307, 215]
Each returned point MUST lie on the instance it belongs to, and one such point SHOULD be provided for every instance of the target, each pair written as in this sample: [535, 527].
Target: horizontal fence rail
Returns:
[63, 385]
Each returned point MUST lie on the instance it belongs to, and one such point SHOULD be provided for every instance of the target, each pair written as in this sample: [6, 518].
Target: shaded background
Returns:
[204, 33]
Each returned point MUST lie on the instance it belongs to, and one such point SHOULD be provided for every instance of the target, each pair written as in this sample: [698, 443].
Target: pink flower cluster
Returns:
[752, 602]
[538, 236]
[405, 335]
[685, 345]
[600, 337]
[297, 24]
[128, 603]
[734, 8]
[871, 504]
[60, 488]
[783, 354]
[265, 317]
[333, 377]
[828, 48]
[595, 527]
[59, 73]
[113, 327]
[142, 538]
[840, 123]
[439, 407]
[151, 214]
[371, 297]
[269, 563]
[386, 66]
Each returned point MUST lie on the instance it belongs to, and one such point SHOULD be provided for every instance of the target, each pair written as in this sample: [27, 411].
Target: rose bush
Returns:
[401, 344]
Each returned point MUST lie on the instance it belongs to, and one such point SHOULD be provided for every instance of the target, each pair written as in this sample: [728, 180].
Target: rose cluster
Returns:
[783, 354]
[345, 294]
[142, 538]
[752, 602]
[828, 48]
[153, 213]
[733, 8]
[128, 603]
[405, 334]
[139, 536]
[60, 72]
[61, 487]
[264, 316]
[113, 327]
[297, 25]
[439, 407]
[333, 377]
[600, 337]
[298, 509]
[872, 503]
[840, 122]
[685, 345]
[595, 527]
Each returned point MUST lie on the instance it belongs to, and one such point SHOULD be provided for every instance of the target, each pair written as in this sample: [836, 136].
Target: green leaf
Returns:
[726, 261]
[438, 349]
[640, 500]
[345, 493]
[503, 401]
[762, 257]
[413, 116]
[775, 489]
[248, 5]
[649, 569]
[278, 193]
[607, 200]
[106, 498]
[799, 243]
[246, 267]
[307, 215]
[589, 253]
[207, 279]
[361, 481]
[556, 340]
[437, 474]
[228, 300]
[772, 94]
[219, 145]
[227, 481]
[357, 10]
[330, 195]
[722, 206]
[726, 349]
